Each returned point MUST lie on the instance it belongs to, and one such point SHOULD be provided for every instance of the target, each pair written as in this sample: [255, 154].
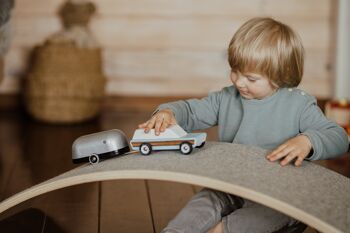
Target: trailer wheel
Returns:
[186, 148]
[145, 149]
[93, 159]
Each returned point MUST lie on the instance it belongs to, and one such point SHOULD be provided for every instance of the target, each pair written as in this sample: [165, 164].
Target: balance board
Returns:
[312, 194]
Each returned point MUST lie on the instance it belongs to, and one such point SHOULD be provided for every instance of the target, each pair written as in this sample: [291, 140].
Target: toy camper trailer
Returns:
[97, 146]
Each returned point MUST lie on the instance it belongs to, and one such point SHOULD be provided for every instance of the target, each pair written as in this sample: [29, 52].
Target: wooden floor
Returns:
[31, 152]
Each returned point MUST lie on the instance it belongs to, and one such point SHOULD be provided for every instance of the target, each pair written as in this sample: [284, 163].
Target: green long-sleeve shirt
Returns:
[266, 123]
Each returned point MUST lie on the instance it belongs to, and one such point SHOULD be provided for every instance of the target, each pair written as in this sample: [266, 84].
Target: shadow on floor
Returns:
[30, 221]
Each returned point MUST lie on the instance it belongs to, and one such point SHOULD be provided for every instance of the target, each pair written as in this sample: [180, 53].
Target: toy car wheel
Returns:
[145, 149]
[185, 148]
[93, 159]
[201, 145]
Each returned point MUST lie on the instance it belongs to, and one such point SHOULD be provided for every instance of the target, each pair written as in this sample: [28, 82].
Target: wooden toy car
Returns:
[102, 145]
[173, 138]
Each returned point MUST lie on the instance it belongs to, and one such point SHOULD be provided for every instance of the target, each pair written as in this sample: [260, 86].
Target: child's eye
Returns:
[250, 79]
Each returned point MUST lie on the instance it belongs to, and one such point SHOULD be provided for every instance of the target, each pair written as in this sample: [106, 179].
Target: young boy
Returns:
[262, 108]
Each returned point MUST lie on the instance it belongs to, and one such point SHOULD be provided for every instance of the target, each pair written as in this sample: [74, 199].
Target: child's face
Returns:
[252, 85]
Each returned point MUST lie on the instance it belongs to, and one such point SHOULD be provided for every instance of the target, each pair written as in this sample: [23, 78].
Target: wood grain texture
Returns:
[157, 72]
[155, 47]
[169, 33]
[125, 207]
[291, 8]
[162, 143]
[10, 150]
[298, 198]
[189, 33]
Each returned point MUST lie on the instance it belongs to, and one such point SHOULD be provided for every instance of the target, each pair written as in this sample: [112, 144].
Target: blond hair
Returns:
[270, 48]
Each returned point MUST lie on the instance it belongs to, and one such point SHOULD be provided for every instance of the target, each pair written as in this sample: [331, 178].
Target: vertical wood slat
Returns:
[9, 151]
[167, 199]
[73, 209]
[125, 207]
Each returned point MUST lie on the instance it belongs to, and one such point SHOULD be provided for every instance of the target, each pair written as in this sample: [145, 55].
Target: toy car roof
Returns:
[174, 131]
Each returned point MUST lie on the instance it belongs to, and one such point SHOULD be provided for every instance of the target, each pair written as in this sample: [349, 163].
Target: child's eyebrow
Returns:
[254, 76]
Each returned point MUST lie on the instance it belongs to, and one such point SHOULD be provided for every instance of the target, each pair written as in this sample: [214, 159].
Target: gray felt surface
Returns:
[308, 192]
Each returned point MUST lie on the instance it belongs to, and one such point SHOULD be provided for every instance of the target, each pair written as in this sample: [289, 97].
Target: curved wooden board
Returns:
[310, 193]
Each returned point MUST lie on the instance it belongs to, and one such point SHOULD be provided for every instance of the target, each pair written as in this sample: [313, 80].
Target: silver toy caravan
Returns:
[97, 146]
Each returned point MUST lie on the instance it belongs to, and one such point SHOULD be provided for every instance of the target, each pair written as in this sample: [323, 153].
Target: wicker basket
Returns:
[65, 84]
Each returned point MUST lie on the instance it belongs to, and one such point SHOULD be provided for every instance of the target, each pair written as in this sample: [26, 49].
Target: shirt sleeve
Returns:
[194, 114]
[328, 139]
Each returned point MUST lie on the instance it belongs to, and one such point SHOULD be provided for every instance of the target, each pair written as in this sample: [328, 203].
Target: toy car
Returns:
[102, 145]
[173, 138]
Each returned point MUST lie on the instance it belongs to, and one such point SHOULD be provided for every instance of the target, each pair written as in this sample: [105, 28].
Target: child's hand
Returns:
[159, 121]
[298, 147]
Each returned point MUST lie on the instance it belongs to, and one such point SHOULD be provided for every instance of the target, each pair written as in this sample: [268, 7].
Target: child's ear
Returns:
[233, 72]
[233, 76]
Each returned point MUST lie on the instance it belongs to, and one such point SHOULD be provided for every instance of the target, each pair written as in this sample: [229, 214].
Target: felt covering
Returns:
[315, 195]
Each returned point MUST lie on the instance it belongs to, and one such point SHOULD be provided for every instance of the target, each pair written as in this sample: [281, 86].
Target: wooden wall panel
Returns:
[248, 8]
[155, 72]
[177, 65]
[29, 31]
[154, 87]
[36, 7]
[192, 33]
[180, 65]
[151, 46]
[143, 33]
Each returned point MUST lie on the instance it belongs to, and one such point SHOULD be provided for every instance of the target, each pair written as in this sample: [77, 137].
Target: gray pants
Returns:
[208, 207]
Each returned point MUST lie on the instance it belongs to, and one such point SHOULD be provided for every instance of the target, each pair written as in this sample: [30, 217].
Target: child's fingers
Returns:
[158, 125]
[288, 158]
[159, 122]
[299, 161]
[276, 151]
[143, 125]
[150, 125]
[284, 152]
[164, 126]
